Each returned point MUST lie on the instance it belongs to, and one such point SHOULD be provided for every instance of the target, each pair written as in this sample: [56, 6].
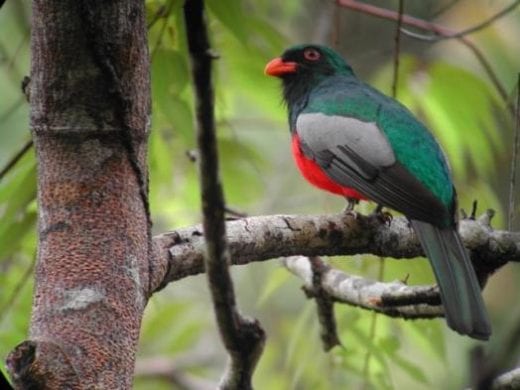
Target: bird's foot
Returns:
[349, 210]
[383, 216]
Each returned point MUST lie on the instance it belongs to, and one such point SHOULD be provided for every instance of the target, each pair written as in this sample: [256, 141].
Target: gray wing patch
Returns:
[360, 144]
[357, 154]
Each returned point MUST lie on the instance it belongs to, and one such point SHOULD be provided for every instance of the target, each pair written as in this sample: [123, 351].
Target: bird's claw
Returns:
[351, 213]
[384, 216]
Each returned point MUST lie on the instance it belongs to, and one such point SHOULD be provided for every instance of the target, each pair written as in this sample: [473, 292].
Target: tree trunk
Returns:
[90, 112]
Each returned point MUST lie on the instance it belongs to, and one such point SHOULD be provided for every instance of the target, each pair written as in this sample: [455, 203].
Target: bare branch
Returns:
[164, 12]
[324, 302]
[243, 337]
[180, 253]
[371, 294]
[508, 381]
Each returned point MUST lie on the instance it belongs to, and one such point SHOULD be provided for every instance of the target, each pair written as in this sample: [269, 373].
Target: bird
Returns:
[351, 140]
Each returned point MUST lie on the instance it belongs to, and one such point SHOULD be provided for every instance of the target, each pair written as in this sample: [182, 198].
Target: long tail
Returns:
[460, 290]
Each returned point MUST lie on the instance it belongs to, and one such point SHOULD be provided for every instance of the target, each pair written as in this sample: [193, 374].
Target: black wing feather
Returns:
[392, 186]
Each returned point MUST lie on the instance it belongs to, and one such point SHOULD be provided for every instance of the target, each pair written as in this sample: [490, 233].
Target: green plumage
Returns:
[369, 142]
[412, 143]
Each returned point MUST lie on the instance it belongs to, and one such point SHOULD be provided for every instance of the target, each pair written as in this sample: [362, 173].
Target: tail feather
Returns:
[460, 291]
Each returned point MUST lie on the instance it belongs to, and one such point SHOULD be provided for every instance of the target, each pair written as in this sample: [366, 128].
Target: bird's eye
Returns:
[311, 54]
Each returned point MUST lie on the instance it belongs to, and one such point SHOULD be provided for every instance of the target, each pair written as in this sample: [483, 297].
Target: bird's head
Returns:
[303, 67]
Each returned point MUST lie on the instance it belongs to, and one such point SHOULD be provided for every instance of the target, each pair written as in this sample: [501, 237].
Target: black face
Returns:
[310, 60]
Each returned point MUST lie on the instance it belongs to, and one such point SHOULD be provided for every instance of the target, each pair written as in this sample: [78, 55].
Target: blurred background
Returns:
[443, 83]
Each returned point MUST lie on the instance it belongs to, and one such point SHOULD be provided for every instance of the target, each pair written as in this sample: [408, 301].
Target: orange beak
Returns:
[277, 67]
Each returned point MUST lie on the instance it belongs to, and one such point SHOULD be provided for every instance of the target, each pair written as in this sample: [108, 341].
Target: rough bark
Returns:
[89, 117]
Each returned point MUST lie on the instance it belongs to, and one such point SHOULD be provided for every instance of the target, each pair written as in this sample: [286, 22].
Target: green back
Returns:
[413, 144]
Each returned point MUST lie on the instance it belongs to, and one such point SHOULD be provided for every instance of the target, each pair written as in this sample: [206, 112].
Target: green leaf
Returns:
[179, 116]
[169, 72]
[17, 192]
[231, 14]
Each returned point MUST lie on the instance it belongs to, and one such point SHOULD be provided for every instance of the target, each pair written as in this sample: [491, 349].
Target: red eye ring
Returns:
[311, 54]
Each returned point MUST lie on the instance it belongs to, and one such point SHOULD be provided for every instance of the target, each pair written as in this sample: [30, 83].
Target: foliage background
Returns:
[442, 83]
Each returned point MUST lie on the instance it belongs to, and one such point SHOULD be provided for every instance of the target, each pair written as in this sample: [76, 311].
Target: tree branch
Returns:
[243, 337]
[394, 299]
[508, 381]
[266, 237]
[89, 93]
[324, 302]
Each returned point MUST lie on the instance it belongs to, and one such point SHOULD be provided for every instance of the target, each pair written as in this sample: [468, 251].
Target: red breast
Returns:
[315, 175]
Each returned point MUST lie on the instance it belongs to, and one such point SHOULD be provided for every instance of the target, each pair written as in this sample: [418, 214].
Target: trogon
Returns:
[352, 140]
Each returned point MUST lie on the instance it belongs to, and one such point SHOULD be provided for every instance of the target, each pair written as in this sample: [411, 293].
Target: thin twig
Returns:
[514, 157]
[325, 305]
[231, 213]
[436, 28]
[162, 12]
[163, 29]
[370, 294]
[243, 337]
[14, 160]
[480, 26]
[441, 31]
[397, 48]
